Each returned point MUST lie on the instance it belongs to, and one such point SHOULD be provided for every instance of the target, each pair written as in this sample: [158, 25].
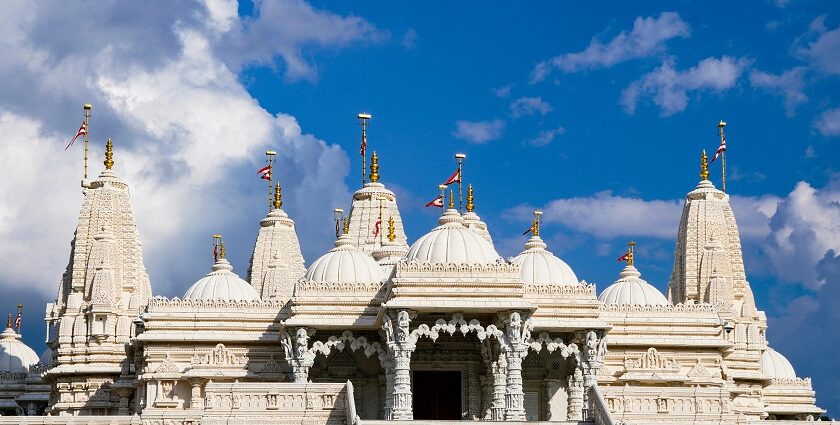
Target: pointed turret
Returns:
[472, 220]
[104, 288]
[371, 204]
[277, 262]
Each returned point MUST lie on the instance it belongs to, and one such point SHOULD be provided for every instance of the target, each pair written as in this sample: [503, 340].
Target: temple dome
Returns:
[221, 284]
[775, 365]
[537, 266]
[15, 356]
[344, 264]
[631, 289]
[451, 242]
[46, 357]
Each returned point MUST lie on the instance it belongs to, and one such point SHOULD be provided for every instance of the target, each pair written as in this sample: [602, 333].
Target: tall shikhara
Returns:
[709, 268]
[104, 289]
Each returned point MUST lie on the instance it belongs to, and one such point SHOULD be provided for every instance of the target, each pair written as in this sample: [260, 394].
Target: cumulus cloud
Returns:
[828, 123]
[669, 88]
[479, 131]
[546, 136]
[648, 37]
[188, 134]
[502, 92]
[790, 85]
[822, 52]
[529, 106]
[409, 39]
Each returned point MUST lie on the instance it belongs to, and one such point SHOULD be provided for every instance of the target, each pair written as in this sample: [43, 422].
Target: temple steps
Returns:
[431, 422]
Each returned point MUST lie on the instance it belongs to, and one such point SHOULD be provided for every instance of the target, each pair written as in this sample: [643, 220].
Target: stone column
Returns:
[514, 397]
[196, 400]
[402, 400]
[592, 358]
[576, 395]
[300, 370]
[499, 377]
[388, 365]
[473, 388]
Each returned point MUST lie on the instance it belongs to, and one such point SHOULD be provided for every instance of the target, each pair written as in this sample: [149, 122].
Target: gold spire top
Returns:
[535, 227]
[470, 199]
[109, 154]
[346, 225]
[704, 166]
[631, 252]
[278, 197]
[222, 250]
[374, 167]
[391, 229]
[451, 200]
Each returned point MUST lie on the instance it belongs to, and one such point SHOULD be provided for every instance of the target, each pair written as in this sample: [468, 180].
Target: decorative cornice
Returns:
[497, 267]
[583, 289]
[166, 304]
[339, 287]
[679, 308]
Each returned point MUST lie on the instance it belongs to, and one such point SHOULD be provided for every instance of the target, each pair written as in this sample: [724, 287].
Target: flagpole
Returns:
[721, 127]
[363, 151]
[87, 107]
[460, 158]
[269, 155]
[19, 318]
[442, 188]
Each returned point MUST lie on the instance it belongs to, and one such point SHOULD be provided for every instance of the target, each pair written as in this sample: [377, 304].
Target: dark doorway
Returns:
[437, 394]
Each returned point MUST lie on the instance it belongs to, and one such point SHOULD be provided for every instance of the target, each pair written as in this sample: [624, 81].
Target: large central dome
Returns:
[451, 242]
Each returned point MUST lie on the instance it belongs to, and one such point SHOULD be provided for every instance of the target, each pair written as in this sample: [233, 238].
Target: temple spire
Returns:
[391, 229]
[629, 257]
[470, 199]
[109, 154]
[535, 227]
[451, 200]
[704, 166]
[278, 197]
[346, 225]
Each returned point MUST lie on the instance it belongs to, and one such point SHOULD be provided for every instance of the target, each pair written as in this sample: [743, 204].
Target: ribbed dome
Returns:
[775, 365]
[631, 289]
[344, 264]
[15, 356]
[46, 357]
[537, 266]
[221, 284]
[451, 242]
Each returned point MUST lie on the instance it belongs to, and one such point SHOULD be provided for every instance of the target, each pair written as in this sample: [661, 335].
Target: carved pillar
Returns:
[388, 366]
[473, 387]
[499, 377]
[576, 395]
[297, 352]
[401, 344]
[123, 394]
[592, 358]
[514, 396]
[196, 400]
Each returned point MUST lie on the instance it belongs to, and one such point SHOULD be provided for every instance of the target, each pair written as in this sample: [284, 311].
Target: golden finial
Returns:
[631, 252]
[222, 249]
[278, 201]
[451, 200]
[374, 167]
[347, 225]
[536, 225]
[109, 154]
[704, 166]
[391, 229]
[470, 199]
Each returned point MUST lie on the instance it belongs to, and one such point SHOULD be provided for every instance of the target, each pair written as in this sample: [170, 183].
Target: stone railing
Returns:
[599, 412]
[584, 289]
[679, 308]
[457, 268]
[177, 304]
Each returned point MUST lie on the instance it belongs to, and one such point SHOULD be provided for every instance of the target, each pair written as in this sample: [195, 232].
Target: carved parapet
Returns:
[584, 290]
[679, 308]
[652, 367]
[162, 304]
[499, 267]
[303, 287]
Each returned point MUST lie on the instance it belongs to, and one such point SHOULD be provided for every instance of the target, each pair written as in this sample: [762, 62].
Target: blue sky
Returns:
[595, 114]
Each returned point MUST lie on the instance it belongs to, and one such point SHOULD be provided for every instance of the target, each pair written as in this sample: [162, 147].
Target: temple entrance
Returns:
[437, 394]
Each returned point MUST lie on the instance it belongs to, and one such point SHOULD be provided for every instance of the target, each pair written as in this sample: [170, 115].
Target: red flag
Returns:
[721, 149]
[266, 172]
[454, 178]
[376, 227]
[437, 202]
[82, 131]
[623, 257]
[17, 323]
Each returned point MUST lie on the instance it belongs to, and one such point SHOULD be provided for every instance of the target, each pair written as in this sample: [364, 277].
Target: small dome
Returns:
[451, 242]
[15, 356]
[46, 358]
[631, 289]
[344, 264]
[537, 266]
[221, 284]
[775, 365]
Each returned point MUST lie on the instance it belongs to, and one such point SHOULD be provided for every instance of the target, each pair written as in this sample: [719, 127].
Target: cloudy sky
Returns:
[597, 118]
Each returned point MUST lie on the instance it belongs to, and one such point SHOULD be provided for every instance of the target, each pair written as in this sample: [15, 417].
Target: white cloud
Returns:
[547, 136]
[790, 85]
[188, 135]
[822, 52]
[503, 91]
[828, 123]
[668, 87]
[409, 39]
[479, 131]
[647, 38]
[529, 106]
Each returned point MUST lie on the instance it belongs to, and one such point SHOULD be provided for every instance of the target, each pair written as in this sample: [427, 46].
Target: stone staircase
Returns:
[430, 422]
